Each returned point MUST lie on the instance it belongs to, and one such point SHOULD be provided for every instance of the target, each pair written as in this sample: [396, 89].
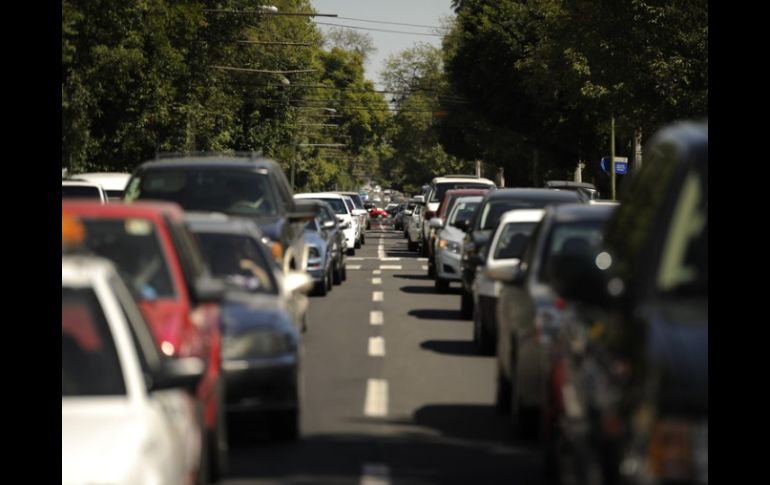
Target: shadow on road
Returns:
[411, 458]
[413, 276]
[434, 314]
[453, 347]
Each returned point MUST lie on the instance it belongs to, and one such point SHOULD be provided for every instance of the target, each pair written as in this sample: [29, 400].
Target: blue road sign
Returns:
[621, 165]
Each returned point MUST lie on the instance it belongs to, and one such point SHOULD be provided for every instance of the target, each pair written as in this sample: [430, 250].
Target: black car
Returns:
[634, 359]
[251, 187]
[529, 310]
[484, 222]
[261, 320]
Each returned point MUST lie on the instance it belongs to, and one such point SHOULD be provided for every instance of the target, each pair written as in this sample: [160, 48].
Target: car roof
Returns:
[553, 184]
[79, 183]
[317, 195]
[581, 212]
[82, 270]
[213, 162]
[460, 179]
[522, 215]
[145, 209]
[531, 193]
[108, 180]
[221, 223]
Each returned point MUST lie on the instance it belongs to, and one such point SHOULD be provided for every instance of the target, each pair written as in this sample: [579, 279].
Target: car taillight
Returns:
[277, 251]
[669, 453]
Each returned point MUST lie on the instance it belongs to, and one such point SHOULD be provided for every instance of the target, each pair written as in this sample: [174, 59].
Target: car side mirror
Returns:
[209, 289]
[296, 281]
[462, 224]
[436, 223]
[328, 225]
[178, 372]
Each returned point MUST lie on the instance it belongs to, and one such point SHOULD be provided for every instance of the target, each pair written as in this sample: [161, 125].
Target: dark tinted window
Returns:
[513, 240]
[494, 209]
[571, 240]
[237, 192]
[239, 260]
[80, 192]
[338, 205]
[133, 245]
[89, 360]
[441, 189]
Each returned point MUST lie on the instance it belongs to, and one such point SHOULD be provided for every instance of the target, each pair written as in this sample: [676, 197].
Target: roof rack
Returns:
[461, 176]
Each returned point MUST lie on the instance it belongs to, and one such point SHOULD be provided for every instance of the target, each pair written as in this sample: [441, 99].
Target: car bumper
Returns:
[448, 265]
[261, 384]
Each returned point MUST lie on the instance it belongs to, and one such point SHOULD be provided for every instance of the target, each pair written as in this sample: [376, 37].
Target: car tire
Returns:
[329, 280]
[337, 276]
[442, 286]
[481, 337]
[320, 287]
[351, 252]
[285, 425]
[423, 248]
[218, 444]
[502, 393]
[432, 268]
[202, 478]
[363, 239]
[466, 305]
[412, 246]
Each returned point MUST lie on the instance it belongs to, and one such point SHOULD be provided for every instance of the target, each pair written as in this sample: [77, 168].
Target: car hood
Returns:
[241, 311]
[271, 226]
[451, 233]
[103, 440]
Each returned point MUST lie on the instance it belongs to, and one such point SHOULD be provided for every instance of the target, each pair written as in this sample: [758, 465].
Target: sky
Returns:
[420, 12]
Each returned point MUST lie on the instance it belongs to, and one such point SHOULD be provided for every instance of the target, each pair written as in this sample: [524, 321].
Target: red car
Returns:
[158, 256]
[376, 212]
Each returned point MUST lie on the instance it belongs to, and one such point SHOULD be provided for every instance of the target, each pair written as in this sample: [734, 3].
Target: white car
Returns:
[78, 189]
[504, 253]
[448, 250]
[113, 183]
[348, 221]
[127, 416]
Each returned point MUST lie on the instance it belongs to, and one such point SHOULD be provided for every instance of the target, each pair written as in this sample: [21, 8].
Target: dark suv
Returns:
[255, 188]
[629, 390]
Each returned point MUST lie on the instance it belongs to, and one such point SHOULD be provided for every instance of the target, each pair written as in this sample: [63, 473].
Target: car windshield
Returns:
[80, 192]
[494, 209]
[133, 245]
[89, 360]
[464, 209]
[338, 205]
[356, 201]
[513, 240]
[571, 240]
[236, 192]
[238, 260]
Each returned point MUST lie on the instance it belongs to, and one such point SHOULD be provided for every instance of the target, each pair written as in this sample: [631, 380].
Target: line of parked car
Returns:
[183, 308]
[597, 312]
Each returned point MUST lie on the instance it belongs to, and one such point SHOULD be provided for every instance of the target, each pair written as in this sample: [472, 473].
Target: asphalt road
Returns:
[392, 397]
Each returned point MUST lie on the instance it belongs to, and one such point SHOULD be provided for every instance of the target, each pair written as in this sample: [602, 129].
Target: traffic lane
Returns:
[442, 392]
[446, 434]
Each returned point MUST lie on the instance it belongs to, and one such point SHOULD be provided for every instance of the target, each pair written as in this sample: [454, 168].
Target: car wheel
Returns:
[202, 477]
[337, 275]
[363, 239]
[481, 336]
[351, 251]
[320, 287]
[423, 248]
[466, 305]
[328, 279]
[432, 268]
[442, 286]
[285, 425]
[412, 246]
[502, 392]
[218, 445]
[344, 272]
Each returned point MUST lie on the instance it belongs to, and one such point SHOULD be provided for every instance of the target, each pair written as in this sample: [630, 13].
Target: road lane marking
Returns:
[377, 296]
[377, 271]
[376, 281]
[376, 317]
[376, 402]
[355, 258]
[424, 267]
[375, 474]
[390, 259]
[353, 266]
[422, 259]
[390, 266]
[377, 347]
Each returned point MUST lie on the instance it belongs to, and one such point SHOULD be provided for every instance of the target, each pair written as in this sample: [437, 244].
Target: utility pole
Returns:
[612, 154]
[638, 148]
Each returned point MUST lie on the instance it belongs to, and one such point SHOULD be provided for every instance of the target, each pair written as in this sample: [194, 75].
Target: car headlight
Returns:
[262, 342]
[451, 246]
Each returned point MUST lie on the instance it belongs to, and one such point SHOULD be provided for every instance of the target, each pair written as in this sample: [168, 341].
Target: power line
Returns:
[392, 23]
[379, 30]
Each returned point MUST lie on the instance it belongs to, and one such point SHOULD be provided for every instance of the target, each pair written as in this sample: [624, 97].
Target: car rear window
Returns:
[235, 192]
[80, 192]
[89, 360]
[239, 261]
[441, 189]
[133, 245]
